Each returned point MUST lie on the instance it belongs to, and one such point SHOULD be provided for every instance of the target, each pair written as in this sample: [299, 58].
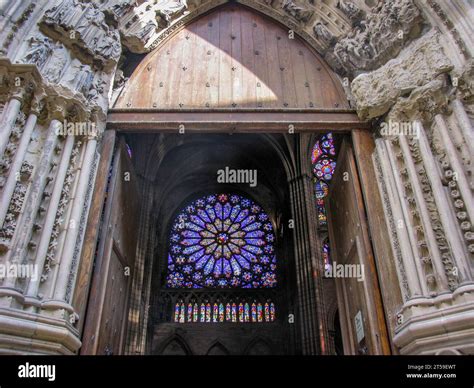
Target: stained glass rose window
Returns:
[222, 241]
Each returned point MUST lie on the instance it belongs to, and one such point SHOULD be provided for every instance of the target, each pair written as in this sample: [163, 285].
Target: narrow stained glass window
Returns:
[246, 312]
[324, 165]
[259, 313]
[190, 312]
[234, 312]
[241, 312]
[216, 313]
[272, 312]
[203, 312]
[208, 312]
[267, 312]
[182, 313]
[221, 312]
[176, 312]
[228, 316]
[195, 313]
[254, 312]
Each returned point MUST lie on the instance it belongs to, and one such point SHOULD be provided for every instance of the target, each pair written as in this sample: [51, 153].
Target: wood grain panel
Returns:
[106, 318]
[232, 57]
[351, 246]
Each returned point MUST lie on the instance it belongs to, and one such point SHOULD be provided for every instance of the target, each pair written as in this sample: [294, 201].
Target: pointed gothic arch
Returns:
[174, 346]
[259, 346]
[217, 349]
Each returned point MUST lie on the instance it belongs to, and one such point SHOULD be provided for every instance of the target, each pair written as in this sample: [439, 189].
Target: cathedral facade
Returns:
[246, 177]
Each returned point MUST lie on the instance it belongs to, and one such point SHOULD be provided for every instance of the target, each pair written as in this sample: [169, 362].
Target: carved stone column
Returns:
[49, 222]
[9, 118]
[74, 220]
[459, 256]
[313, 328]
[34, 198]
[15, 168]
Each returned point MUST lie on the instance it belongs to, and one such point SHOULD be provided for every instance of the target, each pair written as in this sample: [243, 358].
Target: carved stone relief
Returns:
[378, 38]
[376, 92]
[298, 11]
[82, 28]
[169, 10]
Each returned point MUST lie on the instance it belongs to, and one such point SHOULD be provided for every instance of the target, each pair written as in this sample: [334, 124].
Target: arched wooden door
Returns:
[232, 57]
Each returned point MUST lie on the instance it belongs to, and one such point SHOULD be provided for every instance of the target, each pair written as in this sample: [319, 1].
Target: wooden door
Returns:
[107, 312]
[359, 300]
[236, 58]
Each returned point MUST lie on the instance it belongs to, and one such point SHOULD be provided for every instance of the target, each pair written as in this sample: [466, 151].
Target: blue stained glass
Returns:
[215, 239]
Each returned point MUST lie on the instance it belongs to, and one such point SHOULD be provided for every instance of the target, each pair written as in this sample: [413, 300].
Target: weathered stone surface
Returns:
[378, 38]
[376, 92]
[423, 104]
[141, 25]
[83, 29]
[170, 10]
[300, 12]
[465, 82]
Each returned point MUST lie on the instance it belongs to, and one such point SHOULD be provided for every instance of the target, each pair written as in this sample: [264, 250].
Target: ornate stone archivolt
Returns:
[82, 28]
[379, 37]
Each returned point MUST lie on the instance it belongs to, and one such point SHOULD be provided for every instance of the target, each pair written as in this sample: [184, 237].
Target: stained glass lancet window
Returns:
[222, 241]
[324, 164]
[323, 159]
[218, 312]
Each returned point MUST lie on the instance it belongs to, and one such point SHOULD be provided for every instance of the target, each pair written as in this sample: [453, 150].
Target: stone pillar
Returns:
[17, 162]
[442, 203]
[74, 220]
[9, 118]
[412, 267]
[313, 328]
[51, 214]
[400, 239]
[465, 125]
[456, 164]
[34, 198]
[417, 197]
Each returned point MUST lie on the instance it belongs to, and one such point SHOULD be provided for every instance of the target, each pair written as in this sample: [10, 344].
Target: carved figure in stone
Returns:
[109, 47]
[170, 10]
[146, 31]
[38, 52]
[87, 20]
[80, 78]
[56, 63]
[122, 7]
[376, 39]
[96, 90]
[323, 33]
[91, 17]
[119, 79]
[299, 12]
[352, 11]
[64, 13]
